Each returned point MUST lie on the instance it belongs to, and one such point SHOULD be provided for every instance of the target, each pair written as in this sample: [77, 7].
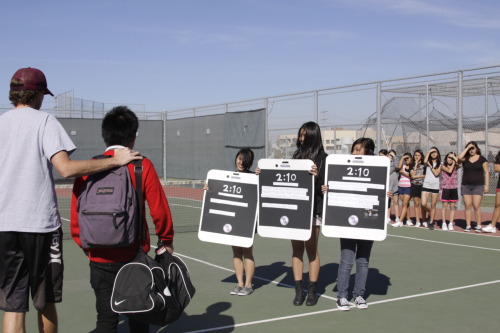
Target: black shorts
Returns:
[416, 191]
[30, 262]
[449, 195]
[430, 190]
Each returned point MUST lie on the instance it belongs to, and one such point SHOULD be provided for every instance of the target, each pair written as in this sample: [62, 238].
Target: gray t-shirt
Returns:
[393, 176]
[28, 140]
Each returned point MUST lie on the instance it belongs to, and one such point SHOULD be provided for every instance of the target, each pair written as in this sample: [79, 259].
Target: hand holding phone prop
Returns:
[286, 196]
[229, 211]
[355, 204]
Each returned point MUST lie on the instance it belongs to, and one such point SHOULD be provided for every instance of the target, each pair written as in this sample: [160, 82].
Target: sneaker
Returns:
[417, 224]
[396, 224]
[450, 227]
[478, 228]
[397, 220]
[360, 303]
[424, 224]
[245, 291]
[343, 304]
[444, 226]
[467, 229]
[431, 226]
[236, 290]
[388, 220]
[409, 223]
[490, 229]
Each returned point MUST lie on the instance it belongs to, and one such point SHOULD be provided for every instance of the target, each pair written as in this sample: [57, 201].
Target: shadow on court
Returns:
[185, 323]
[376, 284]
[213, 314]
[264, 274]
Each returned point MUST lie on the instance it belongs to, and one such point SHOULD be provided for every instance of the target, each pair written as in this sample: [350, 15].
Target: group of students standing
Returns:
[420, 178]
[425, 178]
[310, 146]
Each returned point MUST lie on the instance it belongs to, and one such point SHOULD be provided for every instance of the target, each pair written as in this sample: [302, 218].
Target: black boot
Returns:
[299, 293]
[312, 298]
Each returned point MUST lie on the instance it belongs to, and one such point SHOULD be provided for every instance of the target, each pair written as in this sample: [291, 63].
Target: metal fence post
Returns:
[316, 106]
[164, 118]
[486, 127]
[427, 117]
[379, 115]
[460, 111]
[266, 124]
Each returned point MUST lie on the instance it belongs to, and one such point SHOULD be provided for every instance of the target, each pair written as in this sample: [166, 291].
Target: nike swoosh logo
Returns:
[120, 302]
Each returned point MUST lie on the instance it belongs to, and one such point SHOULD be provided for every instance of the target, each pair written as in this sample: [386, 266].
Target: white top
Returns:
[28, 140]
[430, 181]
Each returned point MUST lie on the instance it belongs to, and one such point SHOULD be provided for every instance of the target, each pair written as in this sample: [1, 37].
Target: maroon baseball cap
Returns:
[32, 79]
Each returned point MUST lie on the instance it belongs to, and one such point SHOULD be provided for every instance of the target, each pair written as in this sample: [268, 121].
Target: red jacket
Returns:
[158, 208]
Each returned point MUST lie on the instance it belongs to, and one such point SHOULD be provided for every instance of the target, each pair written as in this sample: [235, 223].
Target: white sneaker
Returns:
[343, 304]
[397, 224]
[424, 224]
[397, 220]
[444, 226]
[409, 223]
[450, 226]
[360, 303]
[490, 229]
[388, 220]
[417, 224]
[478, 228]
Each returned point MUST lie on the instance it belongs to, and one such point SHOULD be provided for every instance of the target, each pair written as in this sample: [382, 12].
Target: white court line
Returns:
[446, 243]
[173, 204]
[255, 277]
[262, 321]
[333, 310]
[180, 198]
[324, 296]
[332, 298]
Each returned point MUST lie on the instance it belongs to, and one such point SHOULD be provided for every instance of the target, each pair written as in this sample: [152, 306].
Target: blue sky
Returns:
[174, 54]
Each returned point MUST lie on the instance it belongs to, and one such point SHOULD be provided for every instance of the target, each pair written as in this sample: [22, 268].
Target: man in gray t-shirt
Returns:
[32, 142]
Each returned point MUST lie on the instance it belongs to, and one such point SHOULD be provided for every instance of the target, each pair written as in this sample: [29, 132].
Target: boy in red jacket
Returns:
[119, 128]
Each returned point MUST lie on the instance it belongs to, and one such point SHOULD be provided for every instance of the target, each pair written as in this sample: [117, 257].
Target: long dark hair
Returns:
[312, 145]
[445, 161]
[478, 150]
[247, 155]
[366, 143]
[438, 159]
[410, 156]
[421, 156]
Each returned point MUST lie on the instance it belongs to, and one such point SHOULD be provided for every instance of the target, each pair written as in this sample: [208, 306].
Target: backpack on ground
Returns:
[152, 291]
[109, 208]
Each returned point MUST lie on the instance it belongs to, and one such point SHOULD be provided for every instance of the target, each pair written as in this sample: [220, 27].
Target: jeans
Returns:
[350, 250]
[102, 277]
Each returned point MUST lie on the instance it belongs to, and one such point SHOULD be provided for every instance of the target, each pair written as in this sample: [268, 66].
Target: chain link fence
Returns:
[443, 110]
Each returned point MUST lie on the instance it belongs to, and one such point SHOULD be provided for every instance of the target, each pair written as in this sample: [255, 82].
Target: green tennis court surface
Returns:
[419, 281]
